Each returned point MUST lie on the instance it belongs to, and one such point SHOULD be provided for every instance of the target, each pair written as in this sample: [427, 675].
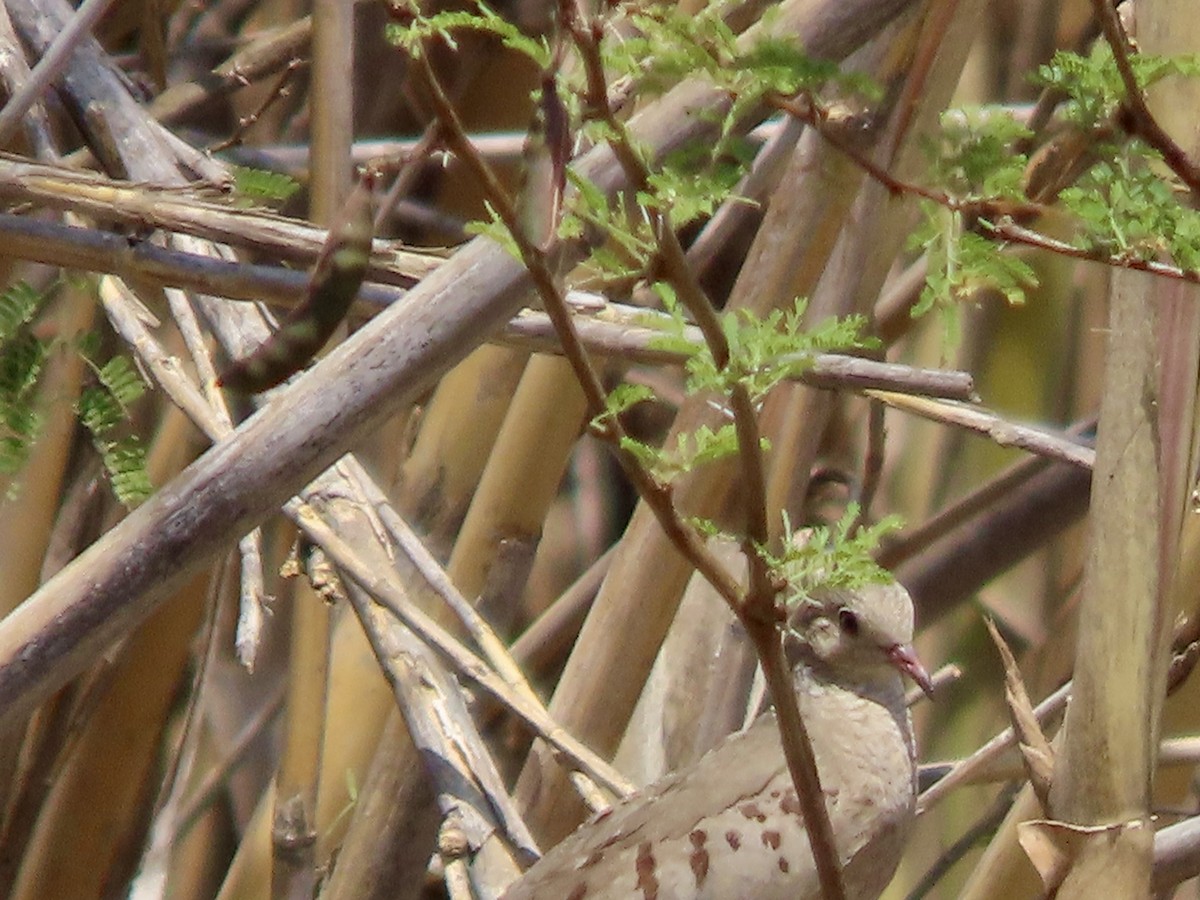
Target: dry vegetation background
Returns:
[137, 748]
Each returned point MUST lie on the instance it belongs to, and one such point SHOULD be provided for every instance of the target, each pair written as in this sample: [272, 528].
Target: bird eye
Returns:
[848, 621]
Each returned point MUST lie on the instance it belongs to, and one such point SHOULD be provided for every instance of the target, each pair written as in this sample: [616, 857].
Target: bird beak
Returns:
[904, 658]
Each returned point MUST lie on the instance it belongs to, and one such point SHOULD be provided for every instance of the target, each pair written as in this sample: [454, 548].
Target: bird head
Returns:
[861, 634]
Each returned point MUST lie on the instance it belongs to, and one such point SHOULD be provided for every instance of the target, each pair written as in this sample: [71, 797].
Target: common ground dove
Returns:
[729, 826]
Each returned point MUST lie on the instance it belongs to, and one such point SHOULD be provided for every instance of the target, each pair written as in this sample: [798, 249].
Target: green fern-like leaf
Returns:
[673, 326]
[766, 351]
[624, 397]
[22, 360]
[974, 156]
[687, 194]
[631, 244]
[442, 26]
[706, 527]
[671, 44]
[104, 411]
[13, 453]
[122, 380]
[493, 227]
[833, 557]
[263, 185]
[706, 445]
[103, 408]
[1094, 85]
[780, 66]
[99, 411]
[1124, 209]
[18, 305]
[961, 263]
[20, 425]
[125, 462]
[652, 459]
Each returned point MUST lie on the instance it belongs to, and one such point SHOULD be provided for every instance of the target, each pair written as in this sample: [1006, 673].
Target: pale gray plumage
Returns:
[729, 826]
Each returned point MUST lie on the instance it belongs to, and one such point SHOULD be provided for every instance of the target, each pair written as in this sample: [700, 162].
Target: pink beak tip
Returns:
[905, 658]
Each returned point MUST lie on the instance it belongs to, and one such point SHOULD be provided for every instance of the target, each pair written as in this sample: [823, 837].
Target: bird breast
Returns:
[730, 826]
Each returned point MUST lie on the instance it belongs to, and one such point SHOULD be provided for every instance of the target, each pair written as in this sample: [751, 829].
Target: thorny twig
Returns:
[278, 91]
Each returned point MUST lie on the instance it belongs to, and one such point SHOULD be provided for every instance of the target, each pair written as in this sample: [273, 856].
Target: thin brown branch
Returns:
[612, 329]
[548, 639]
[441, 727]
[913, 540]
[1006, 229]
[458, 143]
[631, 334]
[1138, 119]
[192, 211]
[265, 55]
[657, 494]
[763, 591]
[682, 278]
[797, 747]
[872, 464]
[1004, 485]
[994, 217]
[990, 751]
[760, 599]
[680, 274]
[410, 168]
[802, 763]
[385, 588]
[475, 626]
[207, 791]
[278, 91]
[1010, 528]
[984, 826]
[757, 608]
[807, 110]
